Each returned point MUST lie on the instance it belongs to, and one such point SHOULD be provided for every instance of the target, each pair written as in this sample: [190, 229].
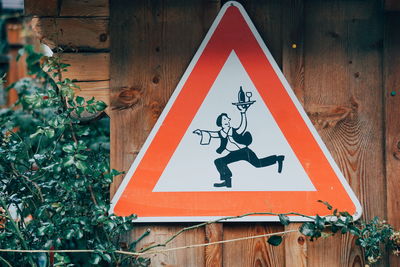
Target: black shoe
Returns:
[280, 160]
[225, 183]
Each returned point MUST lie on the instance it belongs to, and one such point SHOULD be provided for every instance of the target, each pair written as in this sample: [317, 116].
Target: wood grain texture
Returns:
[41, 7]
[252, 252]
[84, 8]
[161, 232]
[295, 247]
[87, 66]
[293, 69]
[343, 69]
[392, 115]
[293, 45]
[76, 34]
[213, 253]
[152, 43]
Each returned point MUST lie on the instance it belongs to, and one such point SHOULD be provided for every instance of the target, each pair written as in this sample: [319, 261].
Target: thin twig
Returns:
[15, 171]
[214, 243]
[218, 220]
[92, 195]
[5, 261]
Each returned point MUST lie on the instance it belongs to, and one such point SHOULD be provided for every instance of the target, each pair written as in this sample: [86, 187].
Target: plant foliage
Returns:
[55, 174]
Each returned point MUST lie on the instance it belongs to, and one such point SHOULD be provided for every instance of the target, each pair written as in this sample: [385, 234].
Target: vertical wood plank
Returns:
[392, 115]
[293, 45]
[187, 257]
[343, 70]
[252, 252]
[293, 69]
[152, 43]
[213, 254]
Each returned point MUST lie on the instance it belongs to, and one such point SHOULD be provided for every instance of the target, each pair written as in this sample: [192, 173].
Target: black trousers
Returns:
[242, 154]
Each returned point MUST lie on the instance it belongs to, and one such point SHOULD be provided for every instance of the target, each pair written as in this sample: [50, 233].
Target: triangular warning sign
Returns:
[233, 139]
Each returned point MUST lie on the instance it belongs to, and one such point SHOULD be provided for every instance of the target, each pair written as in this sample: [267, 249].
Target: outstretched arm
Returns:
[206, 136]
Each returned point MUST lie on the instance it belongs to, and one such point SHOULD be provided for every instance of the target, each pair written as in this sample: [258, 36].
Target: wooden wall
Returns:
[80, 29]
[341, 57]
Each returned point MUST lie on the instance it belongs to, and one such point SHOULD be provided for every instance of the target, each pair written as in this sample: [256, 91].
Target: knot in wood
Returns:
[156, 79]
[396, 151]
[129, 97]
[156, 109]
[301, 240]
[354, 104]
[103, 37]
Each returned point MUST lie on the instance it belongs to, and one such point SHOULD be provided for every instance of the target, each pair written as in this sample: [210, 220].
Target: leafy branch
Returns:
[55, 173]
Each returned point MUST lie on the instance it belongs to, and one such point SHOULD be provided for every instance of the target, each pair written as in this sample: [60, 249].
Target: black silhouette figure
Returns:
[236, 142]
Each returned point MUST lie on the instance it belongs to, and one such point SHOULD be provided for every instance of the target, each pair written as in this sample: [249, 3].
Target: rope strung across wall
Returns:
[135, 254]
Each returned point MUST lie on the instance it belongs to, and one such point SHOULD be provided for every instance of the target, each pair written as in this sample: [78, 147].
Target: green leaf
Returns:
[307, 229]
[69, 148]
[48, 244]
[81, 165]
[95, 259]
[42, 230]
[79, 234]
[49, 132]
[275, 240]
[21, 52]
[91, 109]
[81, 157]
[80, 100]
[39, 131]
[284, 219]
[115, 172]
[69, 233]
[100, 106]
[354, 230]
[79, 110]
[90, 101]
[107, 257]
[68, 161]
[320, 222]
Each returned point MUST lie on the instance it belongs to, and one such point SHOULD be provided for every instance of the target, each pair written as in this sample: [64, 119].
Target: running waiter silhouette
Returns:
[236, 141]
